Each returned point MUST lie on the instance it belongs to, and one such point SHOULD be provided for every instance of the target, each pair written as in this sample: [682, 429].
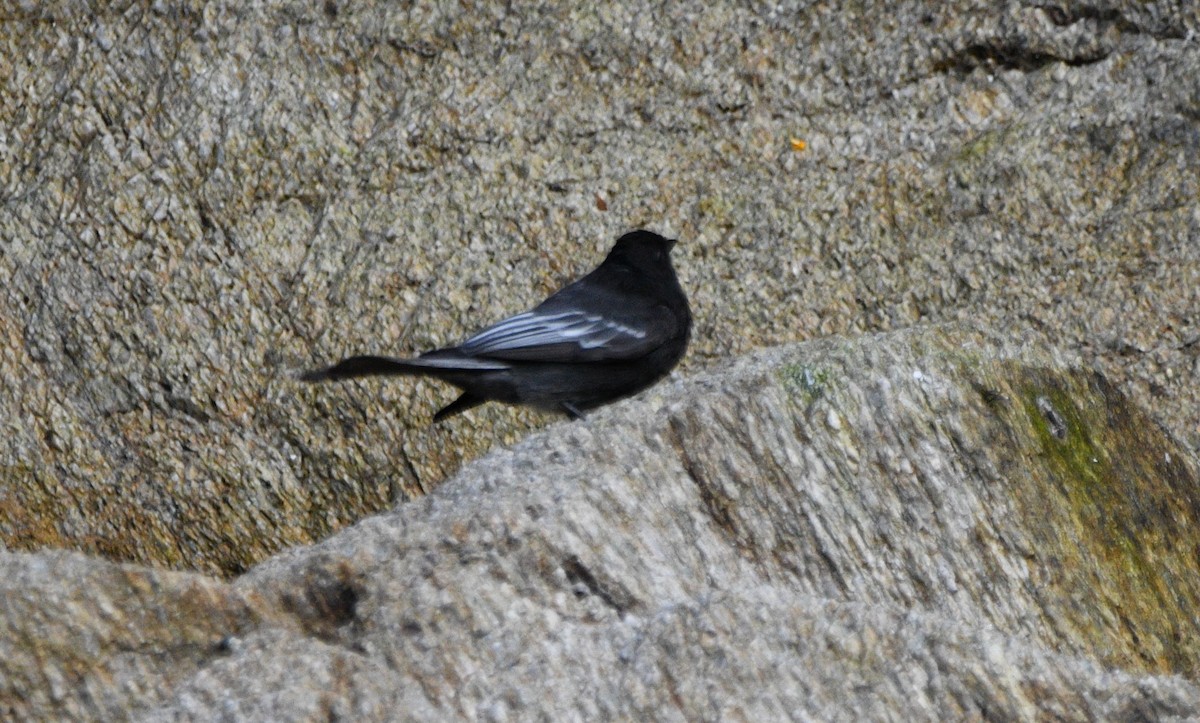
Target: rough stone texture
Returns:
[197, 199]
[88, 638]
[923, 525]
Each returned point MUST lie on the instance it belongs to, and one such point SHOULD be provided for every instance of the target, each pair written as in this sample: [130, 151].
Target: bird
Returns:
[606, 336]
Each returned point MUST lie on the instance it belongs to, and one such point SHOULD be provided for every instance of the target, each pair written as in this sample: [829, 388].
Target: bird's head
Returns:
[643, 250]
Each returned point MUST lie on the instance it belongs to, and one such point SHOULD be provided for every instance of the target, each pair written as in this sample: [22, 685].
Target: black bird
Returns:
[604, 337]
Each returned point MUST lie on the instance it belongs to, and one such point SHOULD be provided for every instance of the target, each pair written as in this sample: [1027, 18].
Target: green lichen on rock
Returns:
[811, 383]
[1113, 514]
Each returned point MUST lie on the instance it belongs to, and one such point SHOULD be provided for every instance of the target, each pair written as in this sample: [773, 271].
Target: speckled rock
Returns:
[923, 525]
[198, 199]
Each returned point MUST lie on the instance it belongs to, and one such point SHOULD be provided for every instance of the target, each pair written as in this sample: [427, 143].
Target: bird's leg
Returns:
[571, 410]
[462, 404]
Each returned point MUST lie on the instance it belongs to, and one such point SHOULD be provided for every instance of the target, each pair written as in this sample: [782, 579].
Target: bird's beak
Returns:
[671, 243]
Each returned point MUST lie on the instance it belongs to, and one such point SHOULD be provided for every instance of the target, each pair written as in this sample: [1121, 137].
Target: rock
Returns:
[200, 200]
[930, 523]
[89, 639]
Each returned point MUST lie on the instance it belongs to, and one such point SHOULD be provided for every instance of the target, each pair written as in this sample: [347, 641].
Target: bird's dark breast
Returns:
[604, 382]
[583, 385]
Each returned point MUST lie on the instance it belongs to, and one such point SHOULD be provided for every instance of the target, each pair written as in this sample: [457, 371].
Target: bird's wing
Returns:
[565, 333]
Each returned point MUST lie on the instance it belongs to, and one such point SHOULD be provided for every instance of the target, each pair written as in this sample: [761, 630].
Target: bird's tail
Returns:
[434, 363]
